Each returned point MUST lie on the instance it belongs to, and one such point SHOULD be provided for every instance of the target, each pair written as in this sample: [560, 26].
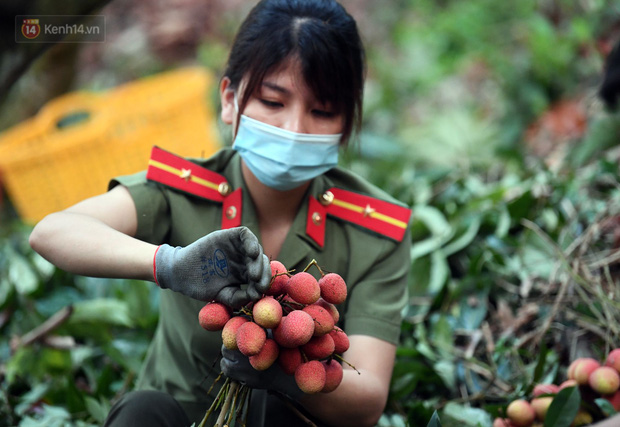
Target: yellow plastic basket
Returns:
[46, 165]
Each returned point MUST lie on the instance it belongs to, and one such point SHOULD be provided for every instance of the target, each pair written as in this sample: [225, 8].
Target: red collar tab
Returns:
[176, 172]
[181, 174]
[387, 219]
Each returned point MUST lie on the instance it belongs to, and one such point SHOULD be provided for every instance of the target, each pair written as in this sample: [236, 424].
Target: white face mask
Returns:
[282, 159]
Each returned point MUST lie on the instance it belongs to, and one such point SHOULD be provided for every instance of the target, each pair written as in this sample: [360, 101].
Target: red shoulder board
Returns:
[181, 174]
[385, 218]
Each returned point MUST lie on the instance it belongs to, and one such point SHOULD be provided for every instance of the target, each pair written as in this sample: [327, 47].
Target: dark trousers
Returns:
[159, 409]
[147, 408]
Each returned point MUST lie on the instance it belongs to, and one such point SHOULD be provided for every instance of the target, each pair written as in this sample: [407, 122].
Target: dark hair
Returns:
[321, 35]
[610, 88]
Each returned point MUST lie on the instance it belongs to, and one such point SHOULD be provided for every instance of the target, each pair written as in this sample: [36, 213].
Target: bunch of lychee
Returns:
[595, 380]
[293, 325]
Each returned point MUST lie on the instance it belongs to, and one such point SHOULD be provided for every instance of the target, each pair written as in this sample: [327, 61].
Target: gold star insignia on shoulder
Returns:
[186, 174]
[368, 211]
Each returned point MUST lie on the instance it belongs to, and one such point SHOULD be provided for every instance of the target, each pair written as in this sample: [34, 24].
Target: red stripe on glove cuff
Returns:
[155, 265]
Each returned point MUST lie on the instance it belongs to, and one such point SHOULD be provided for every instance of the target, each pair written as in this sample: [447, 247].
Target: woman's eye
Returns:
[271, 104]
[324, 114]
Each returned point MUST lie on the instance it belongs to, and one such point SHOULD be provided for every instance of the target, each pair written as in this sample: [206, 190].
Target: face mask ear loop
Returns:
[236, 104]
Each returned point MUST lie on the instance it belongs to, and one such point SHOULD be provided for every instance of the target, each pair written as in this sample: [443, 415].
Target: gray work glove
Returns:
[215, 266]
[236, 366]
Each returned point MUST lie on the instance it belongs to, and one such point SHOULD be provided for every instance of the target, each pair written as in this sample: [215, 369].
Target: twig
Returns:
[43, 329]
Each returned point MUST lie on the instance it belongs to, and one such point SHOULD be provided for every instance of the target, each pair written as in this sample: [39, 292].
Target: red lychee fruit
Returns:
[541, 405]
[295, 329]
[323, 321]
[582, 368]
[229, 332]
[604, 380]
[279, 278]
[341, 340]
[540, 389]
[333, 288]
[310, 376]
[250, 338]
[303, 288]
[267, 312]
[567, 383]
[521, 412]
[213, 316]
[613, 359]
[331, 308]
[319, 347]
[503, 422]
[614, 399]
[333, 375]
[289, 359]
[266, 356]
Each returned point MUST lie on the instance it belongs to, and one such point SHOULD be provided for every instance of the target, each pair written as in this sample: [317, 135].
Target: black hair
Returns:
[321, 35]
[610, 88]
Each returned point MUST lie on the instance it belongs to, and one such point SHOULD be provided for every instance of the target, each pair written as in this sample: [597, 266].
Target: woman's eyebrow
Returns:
[276, 87]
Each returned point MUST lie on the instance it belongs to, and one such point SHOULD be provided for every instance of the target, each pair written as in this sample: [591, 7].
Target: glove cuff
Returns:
[162, 264]
[155, 265]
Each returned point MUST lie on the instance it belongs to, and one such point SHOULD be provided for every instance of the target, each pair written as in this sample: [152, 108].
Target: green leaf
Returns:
[434, 421]
[465, 415]
[465, 239]
[34, 395]
[52, 416]
[22, 275]
[102, 310]
[563, 408]
[606, 406]
[540, 364]
[439, 273]
[446, 370]
[97, 409]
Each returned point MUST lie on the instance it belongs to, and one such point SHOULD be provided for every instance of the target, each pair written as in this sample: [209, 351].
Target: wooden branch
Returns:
[42, 330]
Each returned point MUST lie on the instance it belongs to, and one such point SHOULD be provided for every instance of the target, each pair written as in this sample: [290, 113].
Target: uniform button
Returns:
[317, 219]
[231, 212]
[327, 198]
[224, 189]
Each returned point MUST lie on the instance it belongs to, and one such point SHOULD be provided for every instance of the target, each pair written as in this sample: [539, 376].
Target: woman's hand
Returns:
[215, 266]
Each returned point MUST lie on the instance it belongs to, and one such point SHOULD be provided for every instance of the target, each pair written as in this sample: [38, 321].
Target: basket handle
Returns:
[71, 109]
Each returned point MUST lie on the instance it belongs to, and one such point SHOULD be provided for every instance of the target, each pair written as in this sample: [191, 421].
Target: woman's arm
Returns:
[360, 398]
[95, 238]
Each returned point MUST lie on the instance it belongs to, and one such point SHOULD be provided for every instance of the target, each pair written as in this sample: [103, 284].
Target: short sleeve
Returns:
[380, 291]
[152, 207]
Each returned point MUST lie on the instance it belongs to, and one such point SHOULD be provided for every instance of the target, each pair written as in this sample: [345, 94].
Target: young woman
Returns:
[206, 229]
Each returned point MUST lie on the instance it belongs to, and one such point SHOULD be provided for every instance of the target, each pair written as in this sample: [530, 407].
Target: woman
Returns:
[292, 92]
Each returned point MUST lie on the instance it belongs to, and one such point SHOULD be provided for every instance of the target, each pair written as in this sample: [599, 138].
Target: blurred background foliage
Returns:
[481, 115]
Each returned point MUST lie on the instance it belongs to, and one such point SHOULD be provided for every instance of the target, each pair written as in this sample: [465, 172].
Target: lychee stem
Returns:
[316, 264]
[243, 391]
[342, 359]
[232, 391]
[216, 401]
[232, 407]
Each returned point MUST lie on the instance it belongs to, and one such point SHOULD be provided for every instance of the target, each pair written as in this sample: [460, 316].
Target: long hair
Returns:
[321, 35]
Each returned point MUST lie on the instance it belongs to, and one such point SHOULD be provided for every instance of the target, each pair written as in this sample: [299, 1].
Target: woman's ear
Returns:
[227, 99]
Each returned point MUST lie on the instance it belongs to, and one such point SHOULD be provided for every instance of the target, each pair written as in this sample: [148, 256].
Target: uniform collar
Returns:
[297, 244]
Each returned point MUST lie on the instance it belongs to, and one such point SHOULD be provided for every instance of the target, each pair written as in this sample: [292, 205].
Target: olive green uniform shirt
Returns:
[183, 358]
